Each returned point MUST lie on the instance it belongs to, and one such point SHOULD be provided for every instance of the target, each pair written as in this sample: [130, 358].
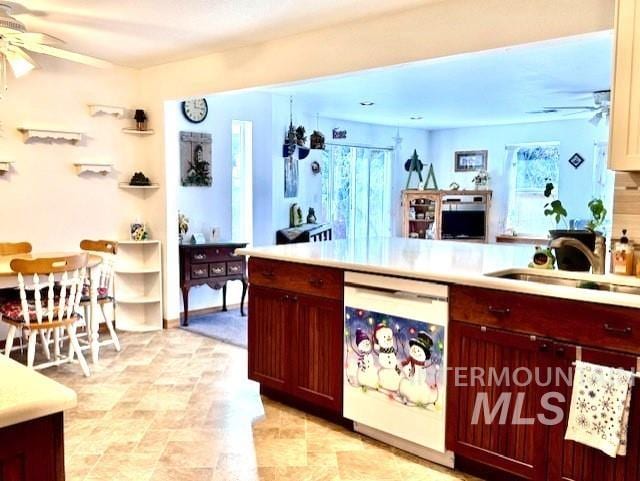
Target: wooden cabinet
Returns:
[33, 450]
[624, 145]
[317, 351]
[213, 264]
[295, 332]
[477, 358]
[492, 330]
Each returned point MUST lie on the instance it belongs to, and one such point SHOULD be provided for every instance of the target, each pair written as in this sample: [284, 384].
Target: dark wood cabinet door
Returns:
[317, 351]
[570, 461]
[33, 450]
[269, 336]
[514, 448]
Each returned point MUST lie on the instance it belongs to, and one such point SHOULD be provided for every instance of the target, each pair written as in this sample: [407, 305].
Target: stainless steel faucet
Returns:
[596, 257]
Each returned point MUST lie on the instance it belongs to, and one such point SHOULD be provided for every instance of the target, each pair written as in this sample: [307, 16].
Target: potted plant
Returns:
[570, 258]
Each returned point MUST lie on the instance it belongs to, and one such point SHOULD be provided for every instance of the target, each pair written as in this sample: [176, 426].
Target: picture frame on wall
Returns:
[471, 160]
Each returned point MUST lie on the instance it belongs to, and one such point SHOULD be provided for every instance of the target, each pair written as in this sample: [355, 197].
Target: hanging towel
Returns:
[599, 412]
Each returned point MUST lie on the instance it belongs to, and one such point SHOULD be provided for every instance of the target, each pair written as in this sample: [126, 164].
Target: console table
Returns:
[213, 264]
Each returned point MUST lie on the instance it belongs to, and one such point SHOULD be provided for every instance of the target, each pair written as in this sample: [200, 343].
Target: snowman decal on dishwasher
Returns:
[414, 387]
[367, 375]
[389, 373]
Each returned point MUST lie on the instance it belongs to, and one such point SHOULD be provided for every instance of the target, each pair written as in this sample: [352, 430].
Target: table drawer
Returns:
[584, 323]
[199, 271]
[296, 277]
[234, 268]
[217, 269]
[208, 254]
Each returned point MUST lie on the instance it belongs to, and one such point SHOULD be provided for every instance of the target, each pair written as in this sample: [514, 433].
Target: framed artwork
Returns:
[471, 160]
[290, 177]
[195, 159]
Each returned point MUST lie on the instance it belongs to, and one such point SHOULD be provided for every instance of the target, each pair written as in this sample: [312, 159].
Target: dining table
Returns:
[9, 279]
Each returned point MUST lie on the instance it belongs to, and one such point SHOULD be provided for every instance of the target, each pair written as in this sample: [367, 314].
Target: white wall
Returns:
[575, 185]
[208, 207]
[42, 199]
[427, 32]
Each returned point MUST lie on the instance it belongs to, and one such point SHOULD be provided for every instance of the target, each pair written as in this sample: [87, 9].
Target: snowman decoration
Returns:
[389, 373]
[414, 387]
[366, 375]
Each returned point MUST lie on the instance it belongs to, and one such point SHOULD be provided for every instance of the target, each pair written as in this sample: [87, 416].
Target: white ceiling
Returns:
[141, 33]
[487, 88]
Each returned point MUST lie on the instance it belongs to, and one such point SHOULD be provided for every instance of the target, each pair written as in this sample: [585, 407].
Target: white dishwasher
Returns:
[395, 362]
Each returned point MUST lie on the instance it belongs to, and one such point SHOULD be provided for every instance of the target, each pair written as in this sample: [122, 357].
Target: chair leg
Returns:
[74, 347]
[44, 340]
[112, 331]
[31, 349]
[56, 343]
[8, 345]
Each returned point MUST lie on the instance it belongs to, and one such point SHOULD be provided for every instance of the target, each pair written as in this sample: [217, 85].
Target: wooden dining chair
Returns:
[100, 291]
[34, 315]
[10, 248]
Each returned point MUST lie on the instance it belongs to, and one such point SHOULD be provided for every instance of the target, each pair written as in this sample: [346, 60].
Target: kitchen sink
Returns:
[559, 280]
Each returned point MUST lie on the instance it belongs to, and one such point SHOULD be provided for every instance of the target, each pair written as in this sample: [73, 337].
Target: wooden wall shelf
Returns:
[50, 135]
[117, 112]
[126, 185]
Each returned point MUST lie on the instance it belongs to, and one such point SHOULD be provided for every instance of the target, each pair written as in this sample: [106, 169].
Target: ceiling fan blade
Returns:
[578, 112]
[29, 38]
[21, 63]
[577, 107]
[67, 55]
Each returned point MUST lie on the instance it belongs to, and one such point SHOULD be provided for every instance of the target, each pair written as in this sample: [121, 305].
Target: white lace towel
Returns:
[599, 413]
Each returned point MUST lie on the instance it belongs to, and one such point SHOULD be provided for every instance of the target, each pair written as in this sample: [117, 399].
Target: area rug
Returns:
[229, 327]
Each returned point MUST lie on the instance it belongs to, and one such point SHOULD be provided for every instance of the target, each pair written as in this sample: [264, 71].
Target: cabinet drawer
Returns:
[584, 323]
[199, 271]
[234, 268]
[295, 277]
[208, 254]
[217, 269]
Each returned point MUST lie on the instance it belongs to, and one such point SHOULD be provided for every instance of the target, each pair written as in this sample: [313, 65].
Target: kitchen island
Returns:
[31, 424]
[298, 349]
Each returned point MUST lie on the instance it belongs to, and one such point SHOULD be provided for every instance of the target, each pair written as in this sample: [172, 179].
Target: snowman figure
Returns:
[366, 375]
[389, 373]
[414, 387]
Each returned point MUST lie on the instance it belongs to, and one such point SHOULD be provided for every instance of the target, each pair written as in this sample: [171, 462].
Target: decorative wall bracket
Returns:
[49, 136]
[5, 165]
[102, 168]
[117, 112]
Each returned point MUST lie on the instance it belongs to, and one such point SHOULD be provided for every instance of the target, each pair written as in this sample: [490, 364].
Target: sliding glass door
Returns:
[356, 190]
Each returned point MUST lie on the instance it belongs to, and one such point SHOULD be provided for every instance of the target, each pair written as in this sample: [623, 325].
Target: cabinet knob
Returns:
[499, 311]
[316, 282]
[199, 257]
[268, 274]
[560, 351]
[544, 347]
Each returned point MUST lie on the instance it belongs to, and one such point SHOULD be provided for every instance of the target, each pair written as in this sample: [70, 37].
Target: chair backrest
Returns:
[9, 248]
[71, 271]
[107, 250]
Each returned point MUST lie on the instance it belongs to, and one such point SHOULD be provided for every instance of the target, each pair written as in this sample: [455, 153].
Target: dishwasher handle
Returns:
[393, 294]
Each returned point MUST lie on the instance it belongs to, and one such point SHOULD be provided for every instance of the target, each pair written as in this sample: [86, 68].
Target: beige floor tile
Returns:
[174, 406]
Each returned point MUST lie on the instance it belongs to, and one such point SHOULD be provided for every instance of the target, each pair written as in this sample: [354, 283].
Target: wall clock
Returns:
[195, 110]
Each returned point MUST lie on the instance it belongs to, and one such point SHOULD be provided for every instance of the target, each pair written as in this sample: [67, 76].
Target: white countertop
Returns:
[464, 263]
[27, 394]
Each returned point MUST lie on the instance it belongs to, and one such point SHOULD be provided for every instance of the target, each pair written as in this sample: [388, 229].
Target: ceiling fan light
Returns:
[20, 64]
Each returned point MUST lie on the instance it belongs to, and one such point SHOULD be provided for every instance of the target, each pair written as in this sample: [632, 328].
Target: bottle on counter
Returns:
[622, 256]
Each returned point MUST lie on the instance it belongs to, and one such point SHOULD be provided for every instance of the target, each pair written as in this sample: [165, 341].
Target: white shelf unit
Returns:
[102, 168]
[126, 185]
[117, 112]
[51, 135]
[138, 285]
[5, 166]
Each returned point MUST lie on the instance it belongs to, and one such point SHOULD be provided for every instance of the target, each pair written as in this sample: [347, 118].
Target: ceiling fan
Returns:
[600, 108]
[15, 40]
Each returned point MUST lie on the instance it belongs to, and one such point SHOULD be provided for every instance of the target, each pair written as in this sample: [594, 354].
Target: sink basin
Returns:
[559, 280]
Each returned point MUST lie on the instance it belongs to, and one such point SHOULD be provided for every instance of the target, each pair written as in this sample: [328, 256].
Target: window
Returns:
[532, 166]
[356, 190]
[241, 180]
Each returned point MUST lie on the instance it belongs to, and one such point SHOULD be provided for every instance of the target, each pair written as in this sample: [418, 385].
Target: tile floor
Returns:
[177, 406]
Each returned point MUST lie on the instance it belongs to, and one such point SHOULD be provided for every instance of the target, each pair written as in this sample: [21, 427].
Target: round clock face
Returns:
[195, 110]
